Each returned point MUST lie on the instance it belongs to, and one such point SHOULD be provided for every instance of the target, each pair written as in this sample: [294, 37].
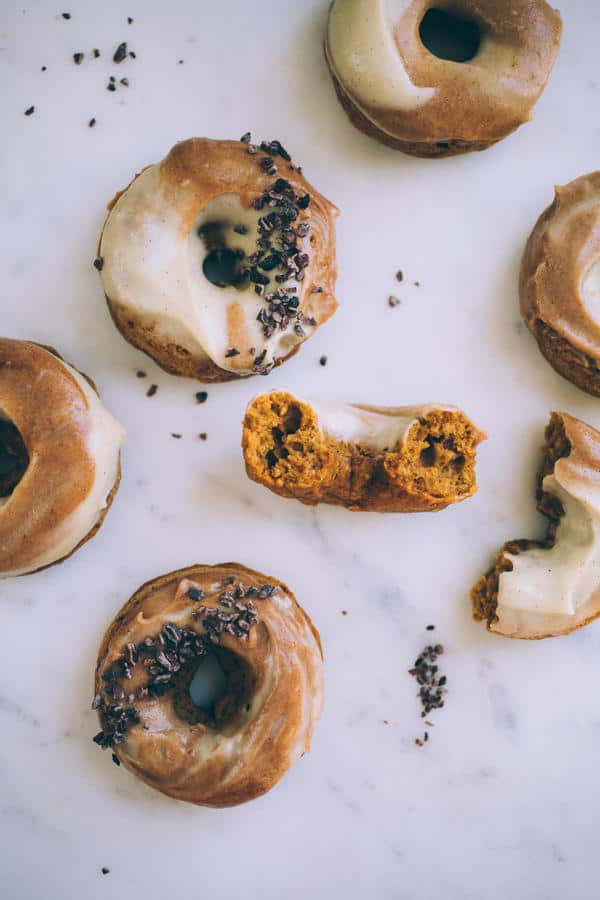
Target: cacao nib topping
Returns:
[163, 655]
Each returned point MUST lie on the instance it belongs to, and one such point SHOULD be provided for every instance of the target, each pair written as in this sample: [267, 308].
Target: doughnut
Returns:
[560, 282]
[219, 262]
[407, 459]
[543, 588]
[436, 82]
[242, 740]
[59, 458]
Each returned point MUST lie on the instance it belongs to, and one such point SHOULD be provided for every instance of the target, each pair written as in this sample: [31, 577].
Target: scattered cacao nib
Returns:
[104, 870]
[124, 82]
[393, 301]
[120, 53]
[30, 110]
[176, 436]
[78, 58]
[399, 275]
[344, 612]
[195, 594]
[432, 685]
[141, 374]
[99, 263]
[233, 351]
[179, 62]
[417, 284]
[66, 15]
[115, 759]
[323, 361]
[132, 54]
[91, 123]
[201, 397]
[44, 68]
[96, 52]
[246, 138]
[203, 436]
[129, 20]
[152, 390]
[430, 628]
[111, 86]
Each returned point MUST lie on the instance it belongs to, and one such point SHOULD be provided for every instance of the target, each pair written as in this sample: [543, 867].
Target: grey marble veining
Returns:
[504, 800]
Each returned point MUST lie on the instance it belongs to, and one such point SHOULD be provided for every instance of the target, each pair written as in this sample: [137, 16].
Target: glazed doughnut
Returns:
[270, 654]
[59, 458]
[407, 459]
[544, 588]
[397, 91]
[560, 282]
[219, 261]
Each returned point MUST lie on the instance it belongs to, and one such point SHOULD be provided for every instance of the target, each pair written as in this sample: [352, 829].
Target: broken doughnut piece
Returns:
[544, 588]
[409, 459]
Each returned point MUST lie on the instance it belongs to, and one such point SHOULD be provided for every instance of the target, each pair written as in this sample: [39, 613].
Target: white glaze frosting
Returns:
[153, 266]
[365, 57]
[559, 581]
[377, 431]
[104, 441]
[590, 290]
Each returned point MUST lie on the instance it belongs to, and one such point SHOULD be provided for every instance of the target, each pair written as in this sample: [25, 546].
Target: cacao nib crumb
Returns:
[399, 275]
[124, 82]
[120, 53]
[393, 301]
[66, 15]
[96, 52]
[201, 397]
[30, 110]
[111, 86]
[176, 436]
[78, 58]
[233, 351]
[129, 20]
[323, 361]
[203, 436]
[141, 374]
[152, 390]
[44, 68]
[132, 54]
[246, 138]
[430, 628]
[91, 123]
[432, 685]
[99, 263]
[104, 870]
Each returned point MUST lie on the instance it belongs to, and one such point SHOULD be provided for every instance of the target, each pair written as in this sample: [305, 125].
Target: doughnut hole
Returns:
[213, 690]
[484, 596]
[14, 458]
[449, 36]
[283, 442]
[437, 457]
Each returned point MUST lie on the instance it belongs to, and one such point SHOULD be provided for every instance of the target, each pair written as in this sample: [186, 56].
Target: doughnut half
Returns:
[543, 588]
[271, 655]
[59, 458]
[407, 459]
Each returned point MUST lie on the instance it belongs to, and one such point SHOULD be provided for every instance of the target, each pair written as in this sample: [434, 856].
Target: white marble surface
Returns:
[505, 800]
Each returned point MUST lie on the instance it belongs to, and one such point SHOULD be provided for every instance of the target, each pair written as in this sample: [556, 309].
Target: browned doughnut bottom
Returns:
[421, 149]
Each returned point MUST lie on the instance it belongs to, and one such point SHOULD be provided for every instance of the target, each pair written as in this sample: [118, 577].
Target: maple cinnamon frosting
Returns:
[385, 459]
[237, 738]
[219, 262]
[560, 282]
[59, 458]
[548, 587]
[440, 81]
